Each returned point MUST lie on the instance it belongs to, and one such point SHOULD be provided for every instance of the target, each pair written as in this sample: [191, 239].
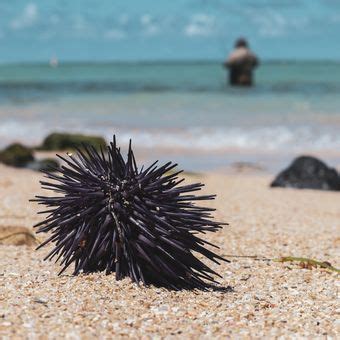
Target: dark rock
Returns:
[43, 165]
[308, 173]
[16, 155]
[67, 141]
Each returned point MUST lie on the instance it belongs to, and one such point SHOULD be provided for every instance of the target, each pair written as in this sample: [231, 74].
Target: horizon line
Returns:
[162, 61]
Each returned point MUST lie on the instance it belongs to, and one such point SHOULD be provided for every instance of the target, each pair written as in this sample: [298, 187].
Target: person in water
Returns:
[241, 63]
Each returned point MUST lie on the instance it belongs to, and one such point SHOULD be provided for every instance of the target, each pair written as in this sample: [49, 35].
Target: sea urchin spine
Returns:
[110, 216]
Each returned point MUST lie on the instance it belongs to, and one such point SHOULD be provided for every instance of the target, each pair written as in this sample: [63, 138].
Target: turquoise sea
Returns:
[185, 107]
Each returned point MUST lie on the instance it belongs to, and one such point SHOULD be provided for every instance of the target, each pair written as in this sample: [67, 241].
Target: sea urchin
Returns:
[110, 216]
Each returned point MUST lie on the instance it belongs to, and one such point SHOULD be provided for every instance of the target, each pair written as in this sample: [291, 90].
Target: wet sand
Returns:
[258, 298]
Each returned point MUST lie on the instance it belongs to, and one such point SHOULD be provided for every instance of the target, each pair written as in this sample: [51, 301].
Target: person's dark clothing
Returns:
[241, 63]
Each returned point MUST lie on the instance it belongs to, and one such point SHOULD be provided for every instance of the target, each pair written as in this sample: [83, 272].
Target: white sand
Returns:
[269, 299]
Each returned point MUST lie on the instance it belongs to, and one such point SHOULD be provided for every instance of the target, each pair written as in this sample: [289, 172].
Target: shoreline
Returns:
[223, 162]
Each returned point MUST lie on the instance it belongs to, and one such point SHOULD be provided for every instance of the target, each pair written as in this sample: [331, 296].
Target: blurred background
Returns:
[153, 72]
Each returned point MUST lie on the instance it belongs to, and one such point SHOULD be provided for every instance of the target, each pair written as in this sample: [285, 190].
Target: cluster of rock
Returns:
[21, 156]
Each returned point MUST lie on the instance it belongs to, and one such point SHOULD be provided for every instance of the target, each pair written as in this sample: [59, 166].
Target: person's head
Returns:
[241, 42]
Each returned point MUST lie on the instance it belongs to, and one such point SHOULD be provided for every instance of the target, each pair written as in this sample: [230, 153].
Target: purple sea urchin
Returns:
[112, 217]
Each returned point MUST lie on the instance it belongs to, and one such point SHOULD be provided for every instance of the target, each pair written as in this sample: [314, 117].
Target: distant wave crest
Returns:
[264, 139]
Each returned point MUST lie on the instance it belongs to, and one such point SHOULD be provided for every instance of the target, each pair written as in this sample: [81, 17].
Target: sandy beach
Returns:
[257, 297]
[241, 95]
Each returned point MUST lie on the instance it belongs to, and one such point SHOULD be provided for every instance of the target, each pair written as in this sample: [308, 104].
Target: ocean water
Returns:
[181, 107]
